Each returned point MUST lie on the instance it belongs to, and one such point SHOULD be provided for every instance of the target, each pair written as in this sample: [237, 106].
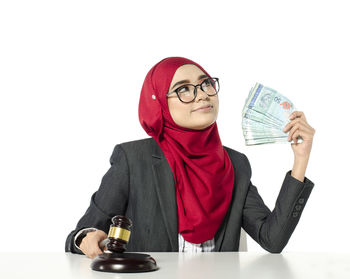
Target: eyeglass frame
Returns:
[195, 89]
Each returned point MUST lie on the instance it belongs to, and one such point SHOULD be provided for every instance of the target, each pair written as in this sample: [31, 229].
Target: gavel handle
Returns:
[103, 243]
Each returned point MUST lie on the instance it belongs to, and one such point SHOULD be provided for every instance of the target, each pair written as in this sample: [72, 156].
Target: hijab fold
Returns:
[202, 169]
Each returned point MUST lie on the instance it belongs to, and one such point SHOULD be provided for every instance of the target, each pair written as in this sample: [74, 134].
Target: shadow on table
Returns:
[269, 266]
[236, 265]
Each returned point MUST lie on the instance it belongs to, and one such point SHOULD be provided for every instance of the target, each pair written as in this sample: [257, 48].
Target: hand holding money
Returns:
[299, 127]
[267, 116]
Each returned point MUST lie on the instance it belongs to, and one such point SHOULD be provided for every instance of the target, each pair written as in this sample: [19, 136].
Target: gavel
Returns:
[118, 235]
[114, 259]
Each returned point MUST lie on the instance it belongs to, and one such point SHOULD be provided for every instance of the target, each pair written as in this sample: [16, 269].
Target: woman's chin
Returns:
[202, 126]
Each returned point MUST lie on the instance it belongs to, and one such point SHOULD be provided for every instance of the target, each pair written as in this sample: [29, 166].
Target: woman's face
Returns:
[186, 114]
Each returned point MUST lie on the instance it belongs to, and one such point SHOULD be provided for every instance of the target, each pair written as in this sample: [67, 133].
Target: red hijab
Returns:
[202, 169]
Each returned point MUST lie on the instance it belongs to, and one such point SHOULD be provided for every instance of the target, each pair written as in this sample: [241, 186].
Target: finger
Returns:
[95, 247]
[304, 135]
[94, 252]
[299, 126]
[294, 122]
[294, 136]
[101, 234]
[102, 244]
[90, 247]
[297, 114]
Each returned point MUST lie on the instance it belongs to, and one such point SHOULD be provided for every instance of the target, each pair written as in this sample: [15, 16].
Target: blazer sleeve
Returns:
[273, 229]
[109, 200]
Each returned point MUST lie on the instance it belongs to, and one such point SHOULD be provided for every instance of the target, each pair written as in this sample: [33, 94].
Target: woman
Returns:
[181, 187]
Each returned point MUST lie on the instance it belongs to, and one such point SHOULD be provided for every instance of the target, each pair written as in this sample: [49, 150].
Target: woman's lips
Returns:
[204, 109]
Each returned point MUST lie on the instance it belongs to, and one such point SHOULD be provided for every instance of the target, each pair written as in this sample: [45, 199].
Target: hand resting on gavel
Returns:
[93, 243]
[107, 251]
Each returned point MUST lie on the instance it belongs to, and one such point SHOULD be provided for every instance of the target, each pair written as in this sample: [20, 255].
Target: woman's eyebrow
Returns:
[186, 81]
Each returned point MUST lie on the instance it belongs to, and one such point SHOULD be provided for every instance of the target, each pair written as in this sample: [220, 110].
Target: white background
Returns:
[70, 78]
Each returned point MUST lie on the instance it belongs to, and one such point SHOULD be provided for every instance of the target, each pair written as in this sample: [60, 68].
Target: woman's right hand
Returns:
[90, 243]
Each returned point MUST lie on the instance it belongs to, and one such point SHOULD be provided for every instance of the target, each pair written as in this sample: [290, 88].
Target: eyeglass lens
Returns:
[187, 92]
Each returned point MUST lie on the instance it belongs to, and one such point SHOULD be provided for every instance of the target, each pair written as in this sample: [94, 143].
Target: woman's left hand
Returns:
[298, 126]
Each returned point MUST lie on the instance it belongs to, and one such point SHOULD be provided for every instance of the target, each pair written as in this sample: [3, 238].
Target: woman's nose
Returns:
[201, 94]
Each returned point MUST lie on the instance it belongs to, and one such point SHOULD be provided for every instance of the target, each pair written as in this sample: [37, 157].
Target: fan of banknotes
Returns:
[264, 116]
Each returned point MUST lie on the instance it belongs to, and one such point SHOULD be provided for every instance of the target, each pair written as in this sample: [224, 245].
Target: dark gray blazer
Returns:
[140, 185]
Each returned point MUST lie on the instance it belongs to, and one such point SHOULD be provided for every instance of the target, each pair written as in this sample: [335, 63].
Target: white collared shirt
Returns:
[185, 246]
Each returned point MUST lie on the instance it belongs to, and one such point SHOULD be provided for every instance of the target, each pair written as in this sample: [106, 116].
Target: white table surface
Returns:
[250, 265]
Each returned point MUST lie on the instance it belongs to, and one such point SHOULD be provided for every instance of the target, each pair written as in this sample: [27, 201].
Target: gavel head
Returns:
[119, 234]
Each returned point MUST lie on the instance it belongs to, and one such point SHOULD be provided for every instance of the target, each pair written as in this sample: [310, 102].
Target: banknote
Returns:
[264, 115]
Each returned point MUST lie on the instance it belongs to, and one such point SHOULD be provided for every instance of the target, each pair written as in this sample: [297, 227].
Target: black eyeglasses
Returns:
[188, 92]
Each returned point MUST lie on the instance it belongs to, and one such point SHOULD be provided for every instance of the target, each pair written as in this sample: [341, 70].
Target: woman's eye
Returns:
[207, 82]
[183, 89]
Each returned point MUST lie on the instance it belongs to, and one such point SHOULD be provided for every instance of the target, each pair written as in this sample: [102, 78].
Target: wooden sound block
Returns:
[124, 262]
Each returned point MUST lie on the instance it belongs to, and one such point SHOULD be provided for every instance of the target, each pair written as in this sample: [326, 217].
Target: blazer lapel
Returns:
[220, 234]
[165, 188]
